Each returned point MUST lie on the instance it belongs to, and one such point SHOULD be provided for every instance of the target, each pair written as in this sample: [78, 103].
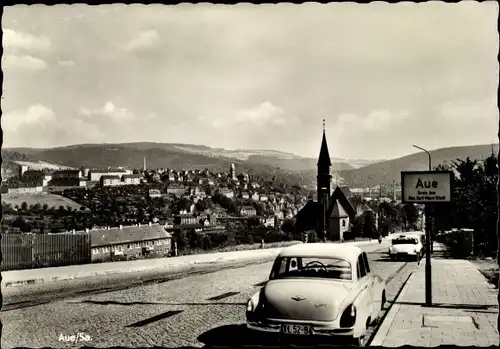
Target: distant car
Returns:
[319, 289]
[406, 246]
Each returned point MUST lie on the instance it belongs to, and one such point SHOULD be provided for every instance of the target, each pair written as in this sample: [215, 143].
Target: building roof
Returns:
[346, 191]
[110, 177]
[132, 176]
[34, 172]
[113, 170]
[104, 237]
[320, 249]
[338, 195]
[324, 154]
[66, 171]
[338, 210]
[248, 208]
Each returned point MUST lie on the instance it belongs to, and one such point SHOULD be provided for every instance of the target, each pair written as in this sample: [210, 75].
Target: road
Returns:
[188, 308]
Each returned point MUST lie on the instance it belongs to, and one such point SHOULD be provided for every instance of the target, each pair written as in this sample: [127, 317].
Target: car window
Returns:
[405, 241]
[367, 265]
[361, 267]
[312, 267]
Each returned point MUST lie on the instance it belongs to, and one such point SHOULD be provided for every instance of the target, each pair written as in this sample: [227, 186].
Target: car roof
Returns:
[321, 249]
[411, 235]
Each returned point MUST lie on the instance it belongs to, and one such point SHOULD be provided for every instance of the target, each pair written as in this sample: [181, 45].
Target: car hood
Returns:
[297, 299]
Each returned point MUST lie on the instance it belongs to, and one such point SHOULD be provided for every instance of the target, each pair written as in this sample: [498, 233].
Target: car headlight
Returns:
[348, 317]
[250, 306]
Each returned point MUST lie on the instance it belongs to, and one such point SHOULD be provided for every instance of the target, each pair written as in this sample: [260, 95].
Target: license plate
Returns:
[296, 329]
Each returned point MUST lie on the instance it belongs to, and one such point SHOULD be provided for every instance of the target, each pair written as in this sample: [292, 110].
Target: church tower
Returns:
[324, 178]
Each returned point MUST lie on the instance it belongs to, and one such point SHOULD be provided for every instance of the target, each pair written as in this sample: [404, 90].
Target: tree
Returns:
[253, 222]
[207, 242]
[182, 240]
[247, 237]
[312, 236]
[24, 206]
[288, 226]
[369, 227]
[45, 207]
[411, 215]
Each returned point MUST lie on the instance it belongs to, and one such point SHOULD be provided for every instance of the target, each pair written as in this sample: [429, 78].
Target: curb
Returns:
[385, 327]
[270, 253]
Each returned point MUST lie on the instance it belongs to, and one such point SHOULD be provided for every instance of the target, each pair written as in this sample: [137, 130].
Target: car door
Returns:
[371, 284]
[366, 286]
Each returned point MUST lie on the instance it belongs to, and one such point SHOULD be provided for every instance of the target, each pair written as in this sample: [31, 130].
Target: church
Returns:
[332, 212]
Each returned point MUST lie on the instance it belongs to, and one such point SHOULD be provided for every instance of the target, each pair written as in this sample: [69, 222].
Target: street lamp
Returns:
[429, 154]
[428, 245]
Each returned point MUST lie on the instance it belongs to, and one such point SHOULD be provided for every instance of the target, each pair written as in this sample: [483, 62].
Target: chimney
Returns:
[86, 230]
[121, 227]
[107, 227]
[73, 231]
[149, 223]
[139, 225]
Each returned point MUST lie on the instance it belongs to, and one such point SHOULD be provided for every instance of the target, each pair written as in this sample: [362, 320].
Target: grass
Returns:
[489, 269]
[39, 198]
[244, 247]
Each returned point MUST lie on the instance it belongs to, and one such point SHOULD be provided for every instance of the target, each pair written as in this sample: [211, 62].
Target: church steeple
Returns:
[324, 178]
[324, 154]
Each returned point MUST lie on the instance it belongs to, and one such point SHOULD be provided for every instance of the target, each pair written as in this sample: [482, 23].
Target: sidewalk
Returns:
[464, 310]
[44, 275]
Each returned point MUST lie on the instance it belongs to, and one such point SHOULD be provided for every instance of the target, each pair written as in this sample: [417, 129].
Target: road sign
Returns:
[425, 186]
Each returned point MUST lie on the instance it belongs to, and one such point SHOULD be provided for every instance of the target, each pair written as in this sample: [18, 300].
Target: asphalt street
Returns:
[185, 307]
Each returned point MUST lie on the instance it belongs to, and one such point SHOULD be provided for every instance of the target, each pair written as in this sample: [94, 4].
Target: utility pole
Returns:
[428, 233]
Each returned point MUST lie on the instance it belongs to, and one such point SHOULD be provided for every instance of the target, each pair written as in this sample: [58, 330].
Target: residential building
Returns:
[255, 196]
[154, 193]
[176, 189]
[227, 192]
[34, 177]
[22, 188]
[248, 211]
[110, 181]
[186, 218]
[131, 179]
[263, 197]
[245, 195]
[130, 241]
[96, 174]
[268, 221]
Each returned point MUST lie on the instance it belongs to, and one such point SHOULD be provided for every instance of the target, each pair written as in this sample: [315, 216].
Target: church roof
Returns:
[338, 211]
[324, 154]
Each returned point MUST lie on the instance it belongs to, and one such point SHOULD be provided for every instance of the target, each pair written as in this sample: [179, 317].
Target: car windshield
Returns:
[312, 267]
[405, 241]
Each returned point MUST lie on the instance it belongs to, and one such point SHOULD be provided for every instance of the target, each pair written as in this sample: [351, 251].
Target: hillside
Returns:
[387, 171]
[174, 155]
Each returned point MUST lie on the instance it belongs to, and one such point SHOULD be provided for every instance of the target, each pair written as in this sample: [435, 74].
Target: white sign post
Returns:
[426, 187]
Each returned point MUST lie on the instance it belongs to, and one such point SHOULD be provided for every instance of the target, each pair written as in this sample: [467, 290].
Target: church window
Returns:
[343, 222]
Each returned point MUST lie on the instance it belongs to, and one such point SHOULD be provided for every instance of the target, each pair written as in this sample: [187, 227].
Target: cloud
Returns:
[25, 62]
[68, 63]
[36, 115]
[481, 110]
[110, 111]
[265, 114]
[16, 40]
[144, 40]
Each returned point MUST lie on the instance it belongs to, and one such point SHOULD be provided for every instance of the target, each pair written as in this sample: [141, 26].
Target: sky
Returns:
[383, 76]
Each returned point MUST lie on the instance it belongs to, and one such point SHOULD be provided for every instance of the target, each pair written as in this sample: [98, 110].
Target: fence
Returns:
[27, 251]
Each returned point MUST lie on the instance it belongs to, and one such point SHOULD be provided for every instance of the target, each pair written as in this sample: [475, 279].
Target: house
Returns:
[176, 189]
[34, 177]
[110, 181]
[67, 178]
[186, 218]
[130, 241]
[154, 193]
[227, 193]
[268, 221]
[193, 191]
[248, 211]
[255, 196]
[245, 195]
[131, 179]
[263, 197]
[331, 213]
[96, 174]
[22, 188]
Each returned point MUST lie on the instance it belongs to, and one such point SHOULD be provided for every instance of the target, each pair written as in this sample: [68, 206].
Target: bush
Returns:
[312, 236]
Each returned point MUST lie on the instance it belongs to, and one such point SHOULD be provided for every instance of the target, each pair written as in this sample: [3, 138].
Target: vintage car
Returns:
[406, 245]
[319, 289]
